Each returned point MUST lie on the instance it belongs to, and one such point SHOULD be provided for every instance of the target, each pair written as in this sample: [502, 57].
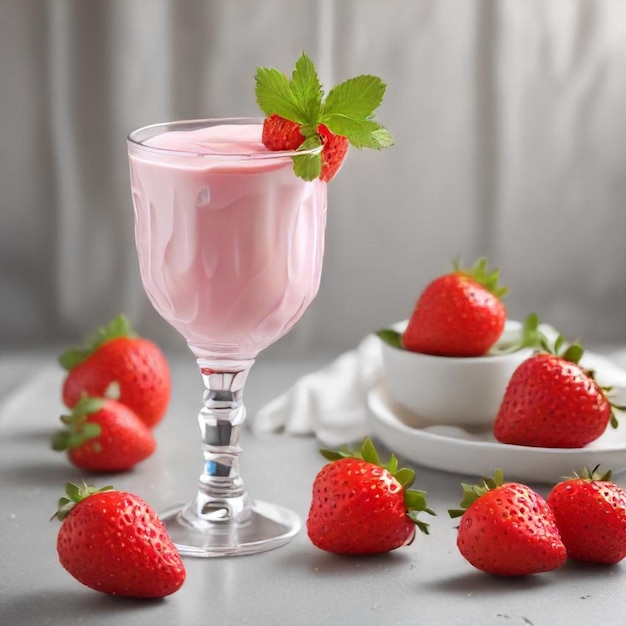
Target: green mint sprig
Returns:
[347, 110]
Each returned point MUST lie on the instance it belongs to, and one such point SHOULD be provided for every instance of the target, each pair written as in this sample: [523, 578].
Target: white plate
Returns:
[453, 449]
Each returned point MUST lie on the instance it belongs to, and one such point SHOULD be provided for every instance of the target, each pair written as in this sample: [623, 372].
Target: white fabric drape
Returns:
[509, 118]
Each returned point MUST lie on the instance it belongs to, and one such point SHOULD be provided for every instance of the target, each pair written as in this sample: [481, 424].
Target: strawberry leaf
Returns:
[369, 453]
[532, 337]
[392, 465]
[78, 429]
[405, 476]
[485, 277]
[391, 337]
[75, 494]
[471, 493]
[573, 353]
[416, 499]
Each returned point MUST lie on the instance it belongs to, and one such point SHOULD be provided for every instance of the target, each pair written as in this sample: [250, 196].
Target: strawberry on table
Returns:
[117, 354]
[113, 542]
[103, 435]
[360, 506]
[507, 529]
[551, 401]
[590, 512]
[459, 314]
[298, 117]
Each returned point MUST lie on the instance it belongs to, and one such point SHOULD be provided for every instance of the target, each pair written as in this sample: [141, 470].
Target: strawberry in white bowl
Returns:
[451, 361]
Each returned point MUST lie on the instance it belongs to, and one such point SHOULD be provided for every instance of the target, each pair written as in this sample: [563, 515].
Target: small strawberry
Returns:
[553, 402]
[103, 435]
[590, 512]
[298, 117]
[117, 354]
[460, 314]
[362, 507]
[507, 529]
[113, 542]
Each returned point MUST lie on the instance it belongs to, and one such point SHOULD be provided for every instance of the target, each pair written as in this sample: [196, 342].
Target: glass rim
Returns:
[213, 121]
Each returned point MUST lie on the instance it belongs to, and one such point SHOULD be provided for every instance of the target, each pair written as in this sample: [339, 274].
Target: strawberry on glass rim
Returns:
[299, 118]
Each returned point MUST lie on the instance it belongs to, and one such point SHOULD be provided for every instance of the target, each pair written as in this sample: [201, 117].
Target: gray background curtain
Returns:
[509, 118]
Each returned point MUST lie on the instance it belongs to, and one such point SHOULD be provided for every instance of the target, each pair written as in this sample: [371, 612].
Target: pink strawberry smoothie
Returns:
[230, 240]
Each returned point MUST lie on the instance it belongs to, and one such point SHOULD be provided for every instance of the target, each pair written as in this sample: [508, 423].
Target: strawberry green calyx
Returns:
[571, 352]
[74, 495]
[78, 428]
[347, 110]
[483, 276]
[414, 499]
[591, 475]
[119, 327]
[471, 493]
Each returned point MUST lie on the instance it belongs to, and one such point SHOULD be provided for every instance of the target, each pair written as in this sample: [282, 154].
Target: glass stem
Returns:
[221, 495]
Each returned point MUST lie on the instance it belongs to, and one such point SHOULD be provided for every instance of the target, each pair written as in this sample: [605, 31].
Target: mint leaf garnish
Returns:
[356, 97]
[274, 95]
[347, 111]
[308, 166]
[306, 89]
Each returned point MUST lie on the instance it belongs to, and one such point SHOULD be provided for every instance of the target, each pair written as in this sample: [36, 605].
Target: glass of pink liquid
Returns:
[230, 244]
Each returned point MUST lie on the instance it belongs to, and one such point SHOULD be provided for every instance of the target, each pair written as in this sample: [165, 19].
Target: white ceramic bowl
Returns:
[464, 391]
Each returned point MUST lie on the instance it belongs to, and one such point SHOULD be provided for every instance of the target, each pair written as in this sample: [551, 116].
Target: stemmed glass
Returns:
[230, 244]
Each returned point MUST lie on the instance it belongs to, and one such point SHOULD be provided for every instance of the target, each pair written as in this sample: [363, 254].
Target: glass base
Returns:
[269, 526]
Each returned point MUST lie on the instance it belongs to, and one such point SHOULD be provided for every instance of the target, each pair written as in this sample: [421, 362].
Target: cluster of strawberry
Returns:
[361, 506]
[509, 529]
[118, 389]
[551, 401]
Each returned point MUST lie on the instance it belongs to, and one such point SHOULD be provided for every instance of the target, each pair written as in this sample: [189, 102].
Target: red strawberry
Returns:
[508, 529]
[116, 354]
[113, 542]
[335, 148]
[281, 134]
[362, 507]
[299, 118]
[104, 435]
[459, 314]
[553, 402]
[590, 512]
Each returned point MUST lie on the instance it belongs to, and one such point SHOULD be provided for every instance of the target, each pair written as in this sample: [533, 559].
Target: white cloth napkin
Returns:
[331, 403]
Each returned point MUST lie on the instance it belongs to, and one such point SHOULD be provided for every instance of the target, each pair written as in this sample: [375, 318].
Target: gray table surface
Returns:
[425, 583]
